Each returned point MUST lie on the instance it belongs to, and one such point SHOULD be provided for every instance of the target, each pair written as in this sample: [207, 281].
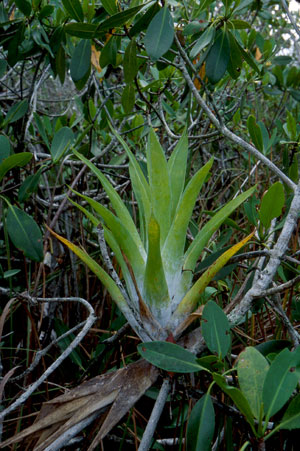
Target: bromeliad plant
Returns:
[159, 299]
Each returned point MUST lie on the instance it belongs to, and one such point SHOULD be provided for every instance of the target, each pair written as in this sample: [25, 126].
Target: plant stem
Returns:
[155, 415]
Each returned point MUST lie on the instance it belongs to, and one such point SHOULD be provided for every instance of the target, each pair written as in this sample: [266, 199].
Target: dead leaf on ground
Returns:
[121, 388]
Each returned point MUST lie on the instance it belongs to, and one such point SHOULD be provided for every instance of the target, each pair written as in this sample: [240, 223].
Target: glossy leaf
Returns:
[110, 6]
[81, 30]
[252, 369]
[280, 381]
[144, 20]
[4, 148]
[291, 418]
[237, 397]
[272, 346]
[119, 19]
[29, 186]
[128, 98]
[235, 60]
[216, 329]
[60, 64]
[81, 60]
[61, 141]
[255, 133]
[18, 159]
[40, 123]
[248, 58]
[130, 63]
[109, 53]
[16, 112]
[24, 6]
[238, 24]
[218, 57]
[74, 8]
[160, 34]
[169, 357]
[205, 39]
[201, 425]
[25, 233]
[3, 67]
[272, 204]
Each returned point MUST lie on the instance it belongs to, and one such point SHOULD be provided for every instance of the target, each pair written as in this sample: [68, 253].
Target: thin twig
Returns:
[88, 324]
[155, 415]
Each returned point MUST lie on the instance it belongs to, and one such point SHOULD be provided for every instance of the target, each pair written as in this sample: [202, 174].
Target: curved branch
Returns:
[88, 324]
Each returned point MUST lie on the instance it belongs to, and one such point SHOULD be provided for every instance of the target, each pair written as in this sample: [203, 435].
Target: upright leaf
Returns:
[237, 397]
[218, 57]
[272, 204]
[109, 52]
[155, 287]
[216, 329]
[130, 63]
[201, 425]
[174, 245]
[16, 112]
[61, 141]
[280, 381]
[205, 39]
[81, 60]
[177, 171]
[252, 369]
[291, 418]
[128, 98]
[117, 203]
[124, 238]
[74, 8]
[159, 184]
[110, 6]
[193, 252]
[139, 183]
[160, 34]
[4, 148]
[193, 296]
[25, 233]
[24, 6]
[255, 133]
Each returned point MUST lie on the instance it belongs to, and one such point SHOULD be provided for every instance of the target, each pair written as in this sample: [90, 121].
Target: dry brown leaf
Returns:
[122, 388]
[95, 57]
[258, 54]
[138, 378]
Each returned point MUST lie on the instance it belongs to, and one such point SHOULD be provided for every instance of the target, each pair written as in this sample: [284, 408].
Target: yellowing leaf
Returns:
[258, 54]
[95, 56]
[193, 296]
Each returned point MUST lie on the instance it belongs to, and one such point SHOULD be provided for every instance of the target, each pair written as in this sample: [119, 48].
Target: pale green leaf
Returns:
[252, 369]
[117, 203]
[177, 171]
[159, 184]
[155, 287]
